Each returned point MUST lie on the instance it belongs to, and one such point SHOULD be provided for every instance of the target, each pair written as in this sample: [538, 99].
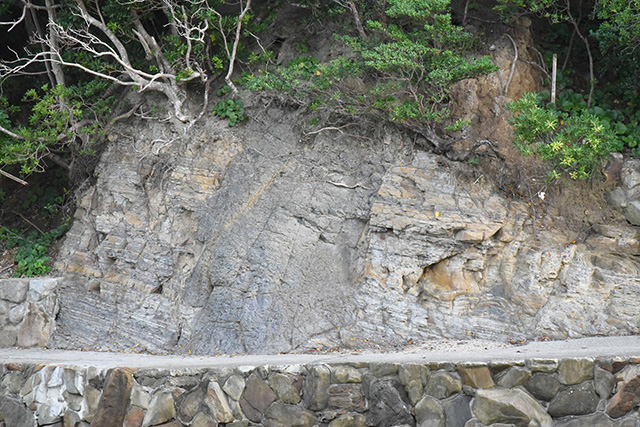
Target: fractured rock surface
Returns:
[253, 240]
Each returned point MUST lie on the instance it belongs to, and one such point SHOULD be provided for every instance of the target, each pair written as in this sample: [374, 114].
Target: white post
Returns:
[554, 70]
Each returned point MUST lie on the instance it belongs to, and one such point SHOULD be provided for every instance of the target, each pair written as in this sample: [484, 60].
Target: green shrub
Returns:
[230, 109]
[32, 256]
[574, 142]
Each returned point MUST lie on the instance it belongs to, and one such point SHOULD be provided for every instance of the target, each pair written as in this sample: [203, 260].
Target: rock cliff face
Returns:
[260, 239]
[251, 239]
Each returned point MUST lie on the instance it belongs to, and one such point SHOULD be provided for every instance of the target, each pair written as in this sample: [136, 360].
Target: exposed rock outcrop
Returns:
[252, 240]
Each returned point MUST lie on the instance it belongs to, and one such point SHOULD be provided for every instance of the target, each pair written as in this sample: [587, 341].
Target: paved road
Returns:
[442, 351]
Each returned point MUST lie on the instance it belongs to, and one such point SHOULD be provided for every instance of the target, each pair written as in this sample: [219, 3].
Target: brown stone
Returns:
[14, 367]
[476, 377]
[256, 398]
[287, 387]
[34, 329]
[612, 365]
[216, 400]
[112, 407]
[134, 418]
[575, 371]
[203, 420]
[191, 404]
[348, 397]
[628, 394]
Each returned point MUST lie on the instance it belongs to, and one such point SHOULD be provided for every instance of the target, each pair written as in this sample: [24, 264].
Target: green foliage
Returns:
[32, 256]
[49, 125]
[230, 109]
[574, 141]
[409, 61]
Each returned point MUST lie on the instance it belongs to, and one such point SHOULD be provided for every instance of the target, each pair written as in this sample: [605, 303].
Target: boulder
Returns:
[429, 412]
[256, 398]
[575, 400]
[113, 404]
[627, 393]
[442, 384]
[509, 406]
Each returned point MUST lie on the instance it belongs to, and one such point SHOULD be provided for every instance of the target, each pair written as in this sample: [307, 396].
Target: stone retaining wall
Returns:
[27, 311]
[572, 392]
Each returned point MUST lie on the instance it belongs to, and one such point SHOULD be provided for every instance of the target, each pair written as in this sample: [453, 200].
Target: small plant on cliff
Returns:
[32, 257]
[230, 109]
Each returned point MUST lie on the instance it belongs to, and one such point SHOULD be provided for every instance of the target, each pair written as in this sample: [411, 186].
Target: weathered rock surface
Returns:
[254, 239]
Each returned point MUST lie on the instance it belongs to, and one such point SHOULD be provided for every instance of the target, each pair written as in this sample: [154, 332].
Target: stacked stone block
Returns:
[563, 393]
[27, 311]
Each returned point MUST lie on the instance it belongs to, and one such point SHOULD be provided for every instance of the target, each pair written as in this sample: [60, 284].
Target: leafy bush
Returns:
[574, 141]
[32, 255]
[230, 109]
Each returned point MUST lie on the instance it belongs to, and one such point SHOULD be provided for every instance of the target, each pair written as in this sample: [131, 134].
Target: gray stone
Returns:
[575, 371]
[256, 398]
[514, 406]
[617, 197]
[287, 387]
[386, 405]
[73, 381]
[216, 400]
[316, 387]
[383, 369]
[443, 384]
[191, 404]
[351, 420]
[91, 400]
[543, 386]
[234, 386]
[595, 420]
[12, 382]
[347, 397]
[429, 412]
[8, 336]
[140, 397]
[204, 420]
[410, 376]
[409, 372]
[542, 365]
[14, 290]
[514, 376]
[575, 400]
[346, 374]
[236, 409]
[15, 413]
[457, 410]
[603, 381]
[39, 288]
[632, 211]
[161, 409]
[16, 314]
[285, 415]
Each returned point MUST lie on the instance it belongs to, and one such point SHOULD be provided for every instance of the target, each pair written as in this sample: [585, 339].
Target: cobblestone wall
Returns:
[572, 392]
[27, 311]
